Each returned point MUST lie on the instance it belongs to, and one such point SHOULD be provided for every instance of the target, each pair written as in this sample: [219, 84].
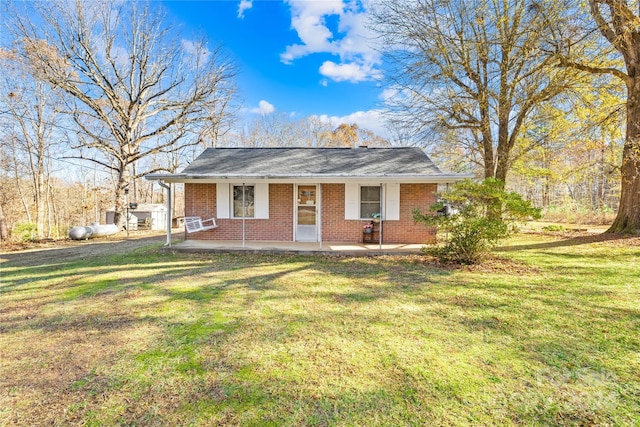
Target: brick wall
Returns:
[200, 200]
[337, 229]
[405, 230]
[334, 227]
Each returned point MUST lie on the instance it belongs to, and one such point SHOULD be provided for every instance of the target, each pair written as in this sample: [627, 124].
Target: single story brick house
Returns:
[310, 194]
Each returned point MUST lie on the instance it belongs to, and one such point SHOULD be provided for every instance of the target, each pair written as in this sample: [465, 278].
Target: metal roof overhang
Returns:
[311, 178]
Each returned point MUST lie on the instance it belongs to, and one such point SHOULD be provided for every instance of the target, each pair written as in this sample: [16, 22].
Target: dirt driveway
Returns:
[71, 250]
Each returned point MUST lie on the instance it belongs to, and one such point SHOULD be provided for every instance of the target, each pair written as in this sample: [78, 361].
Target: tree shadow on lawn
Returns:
[574, 241]
[202, 364]
[69, 274]
[254, 389]
[98, 281]
[85, 313]
[75, 250]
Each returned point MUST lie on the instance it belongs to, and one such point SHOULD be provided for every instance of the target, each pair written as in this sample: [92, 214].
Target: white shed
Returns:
[147, 216]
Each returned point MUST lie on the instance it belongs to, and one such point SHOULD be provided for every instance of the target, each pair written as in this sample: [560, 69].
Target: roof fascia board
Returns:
[337, 179]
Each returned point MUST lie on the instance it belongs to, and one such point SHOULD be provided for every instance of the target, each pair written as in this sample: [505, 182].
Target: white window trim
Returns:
[224, 200]
[390, 196]
[261, 200]
[351, 200]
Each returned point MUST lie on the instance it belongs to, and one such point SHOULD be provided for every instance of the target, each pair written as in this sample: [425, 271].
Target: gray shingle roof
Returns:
[292, 162]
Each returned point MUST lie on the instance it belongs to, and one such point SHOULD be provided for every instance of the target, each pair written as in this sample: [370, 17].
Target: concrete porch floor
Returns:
[325, 248]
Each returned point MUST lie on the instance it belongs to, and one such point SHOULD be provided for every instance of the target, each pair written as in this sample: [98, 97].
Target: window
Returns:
[369, 201]
[229, 200]
[247, 201]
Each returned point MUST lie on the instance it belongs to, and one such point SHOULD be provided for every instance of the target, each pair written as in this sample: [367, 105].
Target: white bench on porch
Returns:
[195, 223]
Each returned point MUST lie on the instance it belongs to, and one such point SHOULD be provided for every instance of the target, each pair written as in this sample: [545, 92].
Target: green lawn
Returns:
[550, 335]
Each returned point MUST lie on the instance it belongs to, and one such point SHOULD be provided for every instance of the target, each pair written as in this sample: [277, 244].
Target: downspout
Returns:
[381, 216]
[319, 214]
[446, 236]
[243, 213]
[169, 218]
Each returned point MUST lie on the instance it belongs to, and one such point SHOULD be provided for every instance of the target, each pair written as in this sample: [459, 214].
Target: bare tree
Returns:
[4, 234]
[476, 68]
[314, 131]
[29, 105]
[136, 88]
[273, 130]
[4, 160]
[279, 129]
[282, 130]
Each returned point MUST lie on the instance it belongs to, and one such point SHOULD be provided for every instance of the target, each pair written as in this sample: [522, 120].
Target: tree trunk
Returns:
[628, 218]
[39, 200]
[489, 165]
[546, 190]
[486, 138]
[55, 214]
[53, 230]
[502, 168]
[120, 197]
[3, 226]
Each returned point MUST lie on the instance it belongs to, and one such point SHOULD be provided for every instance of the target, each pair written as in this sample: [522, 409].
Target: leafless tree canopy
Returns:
[135, 87]
[282, 130]
[476, 68]
[28, 117]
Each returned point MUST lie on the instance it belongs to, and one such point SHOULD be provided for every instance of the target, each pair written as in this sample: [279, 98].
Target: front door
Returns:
[307, 214]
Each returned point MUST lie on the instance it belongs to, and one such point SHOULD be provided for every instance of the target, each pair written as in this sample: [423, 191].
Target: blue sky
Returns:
[301, 58]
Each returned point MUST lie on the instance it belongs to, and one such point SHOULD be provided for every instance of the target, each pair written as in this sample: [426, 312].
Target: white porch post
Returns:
[381, 217]
[319, 214]
[169, 217]
[243, 214]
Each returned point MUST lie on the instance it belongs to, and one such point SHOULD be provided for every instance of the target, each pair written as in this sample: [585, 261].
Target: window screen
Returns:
[369, 201]
[248, 201]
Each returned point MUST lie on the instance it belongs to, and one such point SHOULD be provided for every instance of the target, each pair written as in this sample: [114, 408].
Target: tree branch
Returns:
[92, 160]
[595, 70]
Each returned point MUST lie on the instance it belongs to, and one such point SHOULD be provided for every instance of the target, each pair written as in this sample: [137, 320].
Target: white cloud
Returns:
[351, 42]
[358, 37]
[308, 20]
[388, 94]
[372, 120]
[351, 72]
[263, 108]
[394, 96]
[244, 5]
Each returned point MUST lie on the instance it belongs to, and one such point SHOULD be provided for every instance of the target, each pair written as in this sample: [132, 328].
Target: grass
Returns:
[549, 335]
